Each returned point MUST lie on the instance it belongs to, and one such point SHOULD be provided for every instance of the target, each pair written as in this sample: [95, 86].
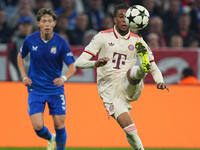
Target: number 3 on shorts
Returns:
[62, 97]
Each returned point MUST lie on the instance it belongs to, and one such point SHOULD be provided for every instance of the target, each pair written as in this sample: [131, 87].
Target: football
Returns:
[137, 17]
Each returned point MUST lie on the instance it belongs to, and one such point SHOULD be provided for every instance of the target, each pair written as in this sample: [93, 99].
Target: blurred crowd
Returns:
[173, 23]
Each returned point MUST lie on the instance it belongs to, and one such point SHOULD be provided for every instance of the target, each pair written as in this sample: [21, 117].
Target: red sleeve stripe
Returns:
[151, 61]
[89, 53]
[115, 34]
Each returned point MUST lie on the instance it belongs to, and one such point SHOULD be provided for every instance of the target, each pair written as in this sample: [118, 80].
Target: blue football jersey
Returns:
[46, 62]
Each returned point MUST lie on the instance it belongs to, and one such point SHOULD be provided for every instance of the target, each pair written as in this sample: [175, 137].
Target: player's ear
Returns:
[115, 20]
[54, 23]
[38, 23]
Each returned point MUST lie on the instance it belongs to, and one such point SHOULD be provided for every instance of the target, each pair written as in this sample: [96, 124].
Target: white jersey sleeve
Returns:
[90, 50]
[84, 62]
[156, 74]
[95, 45]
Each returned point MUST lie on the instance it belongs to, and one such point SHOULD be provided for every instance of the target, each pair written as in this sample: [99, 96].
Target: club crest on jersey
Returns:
[111, 44]
[53, 50]
[131, 47]
[34, 48]
[111, 107]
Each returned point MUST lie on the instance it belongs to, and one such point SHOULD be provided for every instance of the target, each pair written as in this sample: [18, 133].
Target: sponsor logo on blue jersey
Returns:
[53, 50]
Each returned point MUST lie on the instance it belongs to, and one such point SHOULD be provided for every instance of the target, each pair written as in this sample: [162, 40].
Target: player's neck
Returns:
[46, 36]
[122, 33]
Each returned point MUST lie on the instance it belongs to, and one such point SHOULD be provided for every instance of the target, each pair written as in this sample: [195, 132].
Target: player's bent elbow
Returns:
[77, 64]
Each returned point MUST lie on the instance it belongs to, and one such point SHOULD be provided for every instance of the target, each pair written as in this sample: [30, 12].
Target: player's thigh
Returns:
[59, 121]
[57, 104]
[117, 107]
[36, 103]
[37, 121]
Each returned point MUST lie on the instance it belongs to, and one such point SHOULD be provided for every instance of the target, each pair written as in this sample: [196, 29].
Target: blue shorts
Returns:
[56, 104]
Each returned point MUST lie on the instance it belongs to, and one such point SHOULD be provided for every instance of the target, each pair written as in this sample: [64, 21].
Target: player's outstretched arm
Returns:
[157, 76]
[84, 62]
[21, 65]
[70, 72]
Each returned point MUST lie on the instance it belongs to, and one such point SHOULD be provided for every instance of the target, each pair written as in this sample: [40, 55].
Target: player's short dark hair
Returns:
[118, 7]
[44, 11]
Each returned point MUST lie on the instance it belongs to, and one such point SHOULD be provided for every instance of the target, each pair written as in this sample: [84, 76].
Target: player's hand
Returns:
[58, 81]
[162, 86]
[101, 62]
[27, 81]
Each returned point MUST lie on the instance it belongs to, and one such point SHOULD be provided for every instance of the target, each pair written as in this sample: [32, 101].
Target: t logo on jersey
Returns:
[117, 59]
[53, 50]
[34, 48]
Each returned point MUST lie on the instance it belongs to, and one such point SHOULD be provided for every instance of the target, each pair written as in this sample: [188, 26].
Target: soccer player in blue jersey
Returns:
[45, 83]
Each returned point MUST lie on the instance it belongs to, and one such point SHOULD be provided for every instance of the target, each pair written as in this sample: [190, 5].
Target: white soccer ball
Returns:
[137, 17]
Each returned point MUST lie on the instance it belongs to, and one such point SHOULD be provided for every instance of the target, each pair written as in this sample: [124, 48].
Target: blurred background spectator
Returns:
[176, 41]
[156, 26]
[5, 31]
[88, 35]
[107, 22]
[188, 77]
[96, 13]
[153, 41]
[184, 30]
[62, 25]
[67, 8]
[23, 8]
[9, 6]
[170, 17]
[195, 18]
[41, 4]
[76, 35]
[25, 27]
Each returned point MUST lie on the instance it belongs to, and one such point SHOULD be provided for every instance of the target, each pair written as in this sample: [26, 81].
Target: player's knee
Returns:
[132, 80]
[38, 126]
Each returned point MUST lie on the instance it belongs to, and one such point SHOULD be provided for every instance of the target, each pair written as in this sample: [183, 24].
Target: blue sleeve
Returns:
[24, 50]
[67, 54]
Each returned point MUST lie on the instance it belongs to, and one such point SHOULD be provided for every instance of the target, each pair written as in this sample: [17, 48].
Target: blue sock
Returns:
[61, 138]
[44, 133]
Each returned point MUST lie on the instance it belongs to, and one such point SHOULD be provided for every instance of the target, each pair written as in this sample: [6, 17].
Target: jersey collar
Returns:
[117, 35]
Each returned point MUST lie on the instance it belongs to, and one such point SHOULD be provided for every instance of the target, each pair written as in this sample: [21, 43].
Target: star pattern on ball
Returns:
[142, 13]
[140, 26]
[130, 18]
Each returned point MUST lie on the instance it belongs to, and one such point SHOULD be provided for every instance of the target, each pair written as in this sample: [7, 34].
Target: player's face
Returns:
[120, 22]
[46, 24]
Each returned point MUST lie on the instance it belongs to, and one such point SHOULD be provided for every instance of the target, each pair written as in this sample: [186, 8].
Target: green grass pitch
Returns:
[98, 149]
